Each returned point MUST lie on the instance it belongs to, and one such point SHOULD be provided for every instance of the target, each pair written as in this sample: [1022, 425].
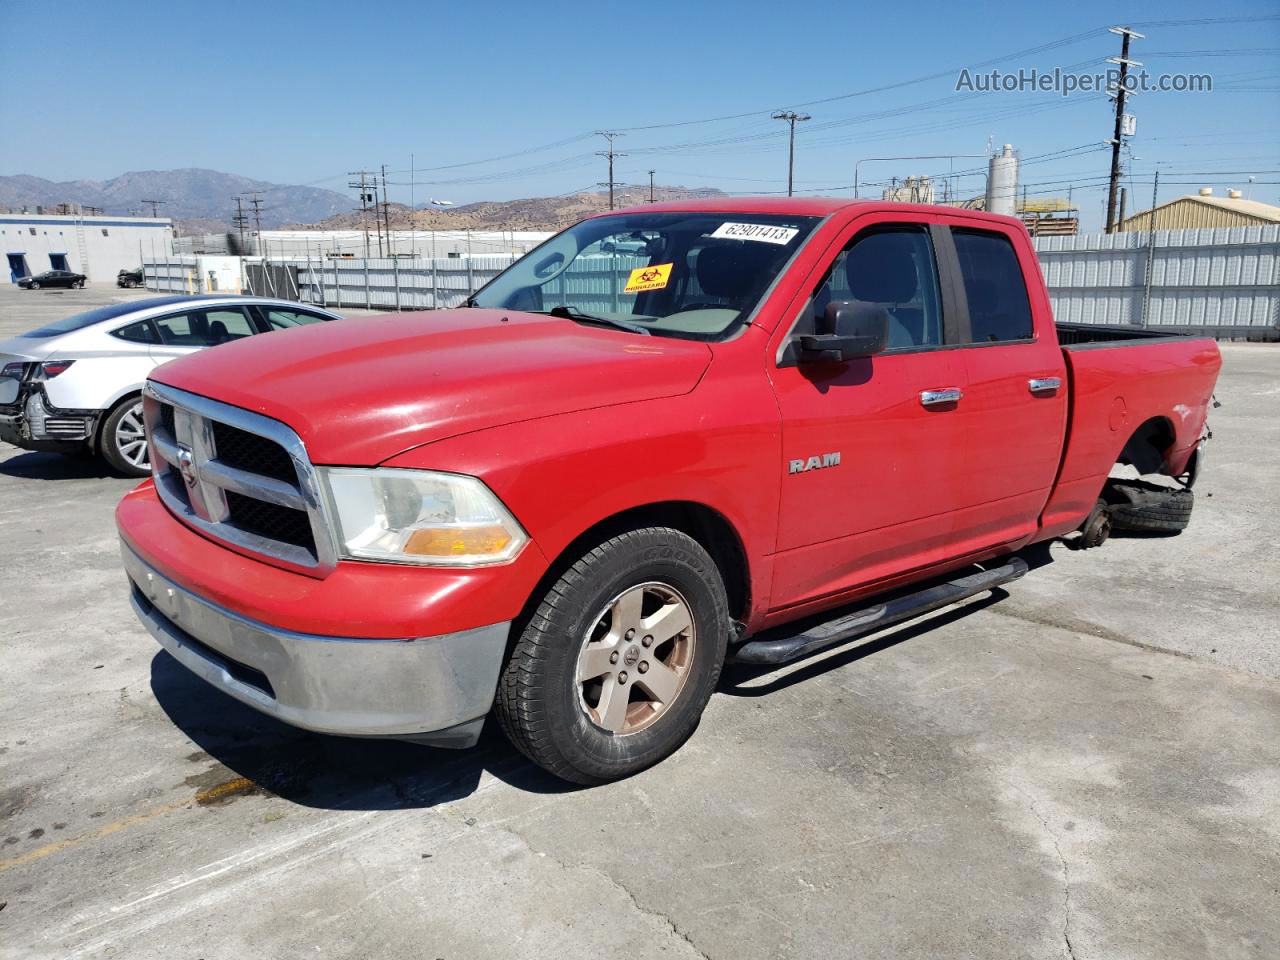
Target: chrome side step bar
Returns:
[816, 639]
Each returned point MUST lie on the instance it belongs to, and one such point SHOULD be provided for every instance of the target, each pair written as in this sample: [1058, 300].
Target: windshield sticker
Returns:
[648, 278]
[755, 231]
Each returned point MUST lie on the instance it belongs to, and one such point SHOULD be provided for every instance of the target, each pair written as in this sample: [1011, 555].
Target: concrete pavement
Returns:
[1085, 766]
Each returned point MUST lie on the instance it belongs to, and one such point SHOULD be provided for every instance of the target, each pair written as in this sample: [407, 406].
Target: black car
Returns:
[52, 278]
[129, 278]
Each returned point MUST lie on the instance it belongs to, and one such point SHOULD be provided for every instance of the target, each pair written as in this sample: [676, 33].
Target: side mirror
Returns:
[850, 329]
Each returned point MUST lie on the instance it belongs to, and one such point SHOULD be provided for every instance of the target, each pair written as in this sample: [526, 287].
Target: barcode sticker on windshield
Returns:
[755, 231]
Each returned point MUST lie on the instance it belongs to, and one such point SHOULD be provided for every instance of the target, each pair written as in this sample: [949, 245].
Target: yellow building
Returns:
[1204, 210]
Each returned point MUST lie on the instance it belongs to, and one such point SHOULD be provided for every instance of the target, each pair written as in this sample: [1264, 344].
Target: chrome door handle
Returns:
[933, 398]
[1044, 384]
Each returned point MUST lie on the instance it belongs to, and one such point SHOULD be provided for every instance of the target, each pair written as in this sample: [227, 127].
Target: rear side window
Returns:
[203, 328]
[994, 287]
[140, 332]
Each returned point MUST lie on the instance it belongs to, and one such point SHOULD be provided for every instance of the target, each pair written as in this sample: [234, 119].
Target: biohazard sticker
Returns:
[648, 278]
[760, 232]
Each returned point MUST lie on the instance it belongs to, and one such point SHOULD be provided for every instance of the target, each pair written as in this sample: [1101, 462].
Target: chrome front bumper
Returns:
[433, 690]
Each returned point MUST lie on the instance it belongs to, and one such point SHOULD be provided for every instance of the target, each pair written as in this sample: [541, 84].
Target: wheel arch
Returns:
[708, 526]
[1148, 446]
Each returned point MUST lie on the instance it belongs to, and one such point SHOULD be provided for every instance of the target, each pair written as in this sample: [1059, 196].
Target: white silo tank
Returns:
[1002, 183]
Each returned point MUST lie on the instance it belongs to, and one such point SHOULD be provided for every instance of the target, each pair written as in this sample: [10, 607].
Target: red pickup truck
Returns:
[649, 445]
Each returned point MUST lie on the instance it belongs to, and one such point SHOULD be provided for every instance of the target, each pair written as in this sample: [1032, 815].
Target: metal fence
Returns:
[1222, 281]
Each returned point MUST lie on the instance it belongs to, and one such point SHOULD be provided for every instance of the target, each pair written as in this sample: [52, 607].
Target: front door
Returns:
[870, 446]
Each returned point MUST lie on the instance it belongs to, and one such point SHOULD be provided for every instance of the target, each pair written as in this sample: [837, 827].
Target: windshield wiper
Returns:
[573, 313]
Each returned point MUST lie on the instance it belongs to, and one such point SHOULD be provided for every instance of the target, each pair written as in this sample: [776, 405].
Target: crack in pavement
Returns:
[609, 879]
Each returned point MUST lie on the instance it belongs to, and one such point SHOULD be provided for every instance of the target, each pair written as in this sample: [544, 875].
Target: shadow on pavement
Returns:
[315, 770]
[56, 466]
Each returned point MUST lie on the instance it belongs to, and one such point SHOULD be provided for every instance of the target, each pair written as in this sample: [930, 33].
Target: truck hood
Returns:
[361, 391]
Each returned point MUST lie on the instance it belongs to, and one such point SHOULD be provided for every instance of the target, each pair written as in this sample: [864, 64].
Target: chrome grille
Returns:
[238, 477]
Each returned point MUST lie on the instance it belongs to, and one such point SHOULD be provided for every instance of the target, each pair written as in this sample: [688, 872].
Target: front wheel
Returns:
[612, 672]
[124, 441]
[33, 286]
[79, 284]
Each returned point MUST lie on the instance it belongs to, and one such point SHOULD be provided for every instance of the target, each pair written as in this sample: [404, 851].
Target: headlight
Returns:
[419, 516]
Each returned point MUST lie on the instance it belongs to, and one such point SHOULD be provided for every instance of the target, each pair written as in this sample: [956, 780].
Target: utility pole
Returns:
[1145, 319]
[155, 207]
[240, 220]
[651, 200]
[791, 117]
[1117, 137]
[255, 201]
[386, 217]
[610, 136]
[363, 187]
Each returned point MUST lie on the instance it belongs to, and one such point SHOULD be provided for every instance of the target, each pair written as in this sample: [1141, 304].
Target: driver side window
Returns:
[893, 268]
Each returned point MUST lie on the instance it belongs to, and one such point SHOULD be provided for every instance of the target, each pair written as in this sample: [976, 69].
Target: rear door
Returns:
[1014, 409]
[869, 461]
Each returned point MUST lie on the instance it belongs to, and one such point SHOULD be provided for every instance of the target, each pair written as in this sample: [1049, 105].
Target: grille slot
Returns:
[271, 521]
[238, 477]
[248, 451]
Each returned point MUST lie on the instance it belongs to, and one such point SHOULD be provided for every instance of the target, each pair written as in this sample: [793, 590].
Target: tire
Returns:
[1144, 506]
[33, 286]
[563, 723]
[118, 437]
[79, 284]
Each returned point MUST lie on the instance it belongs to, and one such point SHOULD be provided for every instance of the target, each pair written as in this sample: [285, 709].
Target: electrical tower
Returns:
[792, 118]
[610, 153]
[1117, 138]
[651, 173]
[155, 206]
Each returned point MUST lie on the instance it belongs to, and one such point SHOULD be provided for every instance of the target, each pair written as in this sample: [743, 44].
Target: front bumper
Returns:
[433, 689]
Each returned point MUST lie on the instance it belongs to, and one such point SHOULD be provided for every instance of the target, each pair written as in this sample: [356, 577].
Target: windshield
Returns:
[691, 275]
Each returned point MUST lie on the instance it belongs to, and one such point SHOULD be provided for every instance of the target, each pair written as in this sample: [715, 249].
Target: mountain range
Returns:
[203, 199]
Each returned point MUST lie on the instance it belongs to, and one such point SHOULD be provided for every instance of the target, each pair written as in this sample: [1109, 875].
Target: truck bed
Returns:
[1078, 335]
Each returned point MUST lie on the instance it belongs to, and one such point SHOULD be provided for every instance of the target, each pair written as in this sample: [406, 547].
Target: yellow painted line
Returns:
[39, 853]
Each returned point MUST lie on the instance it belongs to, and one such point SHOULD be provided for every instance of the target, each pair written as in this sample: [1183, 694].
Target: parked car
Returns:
[129, 278]
[76, 384]
[574, 506]
[52, 278]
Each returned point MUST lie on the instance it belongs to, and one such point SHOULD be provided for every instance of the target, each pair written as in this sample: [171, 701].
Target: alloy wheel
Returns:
[131, 437]
[635, 658]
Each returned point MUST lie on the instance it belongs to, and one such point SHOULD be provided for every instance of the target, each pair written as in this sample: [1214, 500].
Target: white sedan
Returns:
[76, 384]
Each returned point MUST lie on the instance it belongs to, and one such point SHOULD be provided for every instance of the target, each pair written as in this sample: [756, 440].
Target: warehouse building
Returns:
[99, 247]
[1202, 210]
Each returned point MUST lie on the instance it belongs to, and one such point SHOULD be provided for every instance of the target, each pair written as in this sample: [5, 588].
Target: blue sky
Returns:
[303, 92]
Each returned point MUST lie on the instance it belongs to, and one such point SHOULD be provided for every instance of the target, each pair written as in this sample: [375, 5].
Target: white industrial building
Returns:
[322, 244]
[98, 247]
